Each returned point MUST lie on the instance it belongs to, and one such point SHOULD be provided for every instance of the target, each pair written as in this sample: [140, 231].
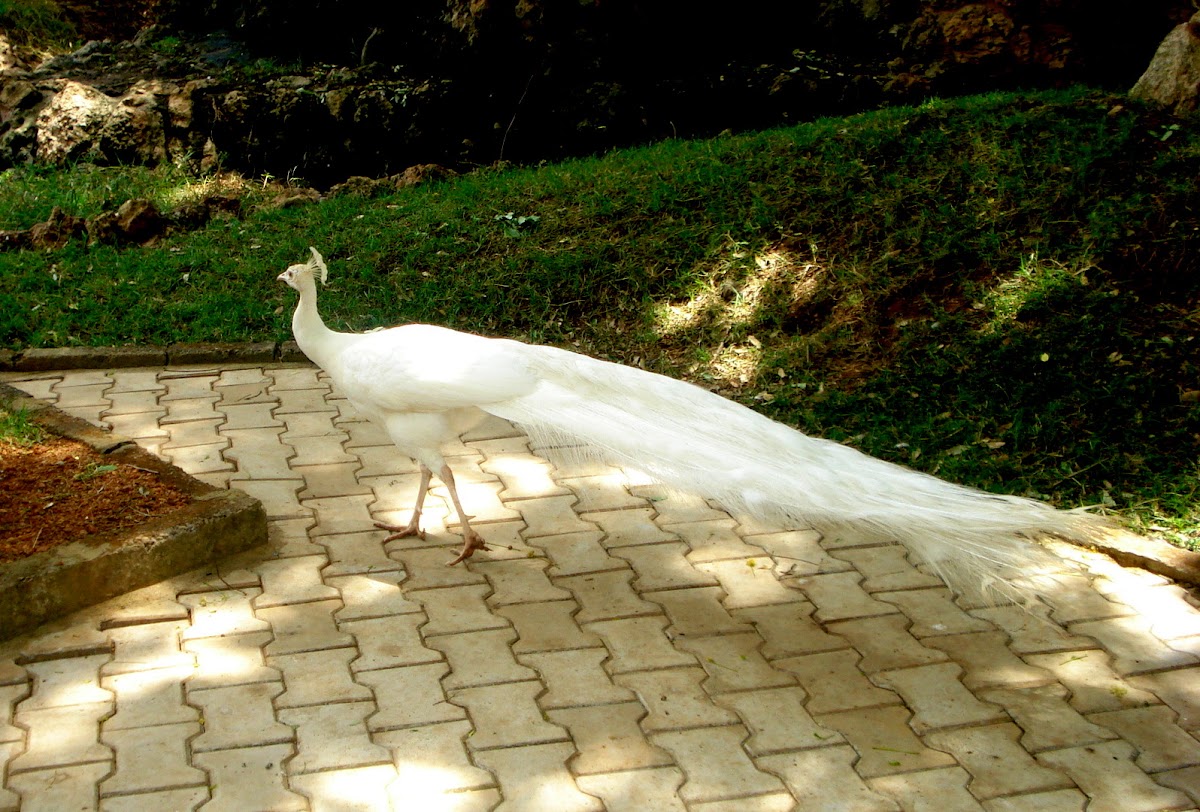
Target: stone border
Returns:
[62, 358]
[1154, 555]
[69, 577]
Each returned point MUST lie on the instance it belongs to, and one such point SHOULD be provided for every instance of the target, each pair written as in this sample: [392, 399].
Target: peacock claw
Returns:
[399, 532]
[473, 541]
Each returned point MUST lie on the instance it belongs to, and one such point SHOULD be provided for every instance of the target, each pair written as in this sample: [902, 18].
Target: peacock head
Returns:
[295, 275]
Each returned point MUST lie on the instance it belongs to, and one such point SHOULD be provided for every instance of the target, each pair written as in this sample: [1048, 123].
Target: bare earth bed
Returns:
[60, 490]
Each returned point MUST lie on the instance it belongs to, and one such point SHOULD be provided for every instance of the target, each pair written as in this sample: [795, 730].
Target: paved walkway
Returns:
[617, 650]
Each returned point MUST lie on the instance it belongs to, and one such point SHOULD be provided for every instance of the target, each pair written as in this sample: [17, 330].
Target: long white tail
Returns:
[701, 443]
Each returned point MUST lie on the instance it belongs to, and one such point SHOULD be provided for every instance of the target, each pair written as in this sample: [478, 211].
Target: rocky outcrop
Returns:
[1173, 78]
[466, 83]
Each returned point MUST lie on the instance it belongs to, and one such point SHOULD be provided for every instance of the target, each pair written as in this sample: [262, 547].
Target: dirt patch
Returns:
[58, 490]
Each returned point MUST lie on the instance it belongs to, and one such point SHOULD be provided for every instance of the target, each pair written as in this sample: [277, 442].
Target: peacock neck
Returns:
[316, 340]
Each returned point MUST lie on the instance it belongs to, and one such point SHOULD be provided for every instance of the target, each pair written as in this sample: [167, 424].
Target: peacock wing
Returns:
[423, 368]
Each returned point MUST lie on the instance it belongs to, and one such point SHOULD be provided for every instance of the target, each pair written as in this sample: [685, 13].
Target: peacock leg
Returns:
[413, 528]
[472, 541]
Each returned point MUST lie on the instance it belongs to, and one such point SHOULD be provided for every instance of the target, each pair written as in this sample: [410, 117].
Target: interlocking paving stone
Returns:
[303, 627]
[603, 492]
[318, 677]
[1032, 633]
[546, 626]
[773, 802]
[1160, 743]
[239, 716]
[292, 580]
[576, 553]
[10, 695]
[797, 552]
[1107, 774]
[886, 568]
[936, 697]
[608, 738]
[941, 789]
[61, 736]
[70, 787]
[997, 762]
[278, 496]
[333, 736]
[716, 766]
[637, 790]
[638, 644]
[620, 647]
[761, 711]
[149, 645]
[606, 596]
[1134, 648]
[933, 612]
[1179, 689]
[480, 658]
[987, 660]
[734, 663]
[885, 741]
[230, 659]
[885, 643]
[410, 696]
[432, 760]
[535, 778]
[188, 798]
[249, 779]
[625, 528]
[675, 699]
[789, 630]
[1186, 781]
[712, 540]
[151, 758]
[520, 580]
[574, 677]
[697, 611]
[457, 609]
[1089, 677]
[1048, 721]
[662, 566]
[150, 697]
[840, 596]
[371, 594]
[749, 582]
[834, 682]
[66, 681]
[507, 715]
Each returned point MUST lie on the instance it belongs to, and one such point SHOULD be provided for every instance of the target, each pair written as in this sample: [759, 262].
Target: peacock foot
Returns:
[413, 528]
[472, 541]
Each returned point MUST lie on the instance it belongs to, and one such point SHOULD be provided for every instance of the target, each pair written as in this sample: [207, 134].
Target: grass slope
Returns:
[1000, 289]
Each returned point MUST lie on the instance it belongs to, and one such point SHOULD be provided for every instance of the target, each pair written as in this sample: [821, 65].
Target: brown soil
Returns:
[57, 491]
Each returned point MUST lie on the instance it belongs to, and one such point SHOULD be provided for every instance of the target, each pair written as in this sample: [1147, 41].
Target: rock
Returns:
[136, 221]
[1173, 78]
[69, 124]
[367, 187]
[52, 234]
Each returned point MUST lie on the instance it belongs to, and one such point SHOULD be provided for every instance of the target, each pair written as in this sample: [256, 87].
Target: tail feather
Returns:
[698, 442]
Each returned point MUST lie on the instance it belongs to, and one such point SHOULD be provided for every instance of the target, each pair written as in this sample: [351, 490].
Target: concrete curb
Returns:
[72, 576]
[64, 358]
[1150, 554]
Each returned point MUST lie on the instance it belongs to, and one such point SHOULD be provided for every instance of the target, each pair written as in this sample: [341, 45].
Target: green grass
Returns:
[1001, 289]
[16, 427]
[36, 24]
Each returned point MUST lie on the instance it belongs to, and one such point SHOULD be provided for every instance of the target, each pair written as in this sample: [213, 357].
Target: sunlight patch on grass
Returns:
[743, 283]
[191, 189]
[1036, 276]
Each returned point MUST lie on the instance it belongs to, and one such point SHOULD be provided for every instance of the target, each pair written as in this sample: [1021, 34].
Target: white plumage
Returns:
[426, 385]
